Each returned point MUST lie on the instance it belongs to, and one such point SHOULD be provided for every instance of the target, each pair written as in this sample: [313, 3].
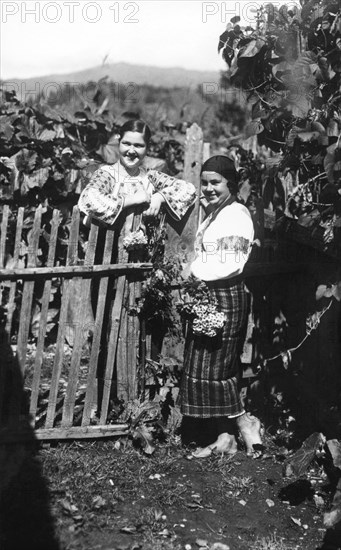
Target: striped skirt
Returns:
[209, 385]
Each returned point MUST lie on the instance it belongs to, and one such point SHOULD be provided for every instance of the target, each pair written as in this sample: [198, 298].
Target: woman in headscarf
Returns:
[209, 389]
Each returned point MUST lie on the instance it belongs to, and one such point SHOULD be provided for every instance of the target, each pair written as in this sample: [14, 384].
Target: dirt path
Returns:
[109, 496]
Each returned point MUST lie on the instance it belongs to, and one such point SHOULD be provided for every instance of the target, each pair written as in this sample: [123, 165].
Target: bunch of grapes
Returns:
[207, 320]
[135, 240]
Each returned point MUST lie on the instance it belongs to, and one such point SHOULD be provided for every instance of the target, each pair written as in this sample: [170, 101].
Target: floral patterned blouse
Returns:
[223, 245]
[103, 197]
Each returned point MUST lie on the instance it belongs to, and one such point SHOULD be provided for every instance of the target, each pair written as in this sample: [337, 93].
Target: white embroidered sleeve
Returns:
[179, 195]
[97, 200]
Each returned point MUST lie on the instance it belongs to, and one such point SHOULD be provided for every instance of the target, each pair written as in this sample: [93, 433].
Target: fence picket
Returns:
[70, 395]
[38, 361]
[132, 340]
[117, 312]
[27, 295]
[67, 284]
[3, 235]
[133, 291]
[121, 360]
[118, 329]
[181, 234]
[96, 339]
[24, 322]
[13, 284]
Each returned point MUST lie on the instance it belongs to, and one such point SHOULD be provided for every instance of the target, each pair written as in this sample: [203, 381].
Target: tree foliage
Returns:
[289, 68]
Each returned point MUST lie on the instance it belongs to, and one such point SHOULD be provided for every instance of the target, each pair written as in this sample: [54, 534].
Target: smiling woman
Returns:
[127, 184]
[210, 383]
[117, 191]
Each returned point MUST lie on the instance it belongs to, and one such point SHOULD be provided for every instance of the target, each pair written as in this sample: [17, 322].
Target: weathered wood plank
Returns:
[27, 296]
[122, 378]
[3, 235]
[132, 340]
[17, 244]
[132, 343]
[75, 432]
[24, 323]
[206, 153]
[181, 235]
[64, 271]
[70, 395]
[71, 259]
[96, 339]
[38, 361]
[117, 312]
[118, 327]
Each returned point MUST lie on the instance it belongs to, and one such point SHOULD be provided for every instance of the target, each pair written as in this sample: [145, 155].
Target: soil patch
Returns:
[108, 495]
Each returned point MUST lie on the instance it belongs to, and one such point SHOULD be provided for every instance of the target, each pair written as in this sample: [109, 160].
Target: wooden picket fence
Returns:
[64, 409]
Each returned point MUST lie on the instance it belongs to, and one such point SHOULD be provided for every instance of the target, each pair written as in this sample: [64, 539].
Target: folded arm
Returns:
[99, 200]
[179, 195]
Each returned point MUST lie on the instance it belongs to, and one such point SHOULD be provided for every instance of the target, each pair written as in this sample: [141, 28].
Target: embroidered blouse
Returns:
[103, 197]
[223, 245]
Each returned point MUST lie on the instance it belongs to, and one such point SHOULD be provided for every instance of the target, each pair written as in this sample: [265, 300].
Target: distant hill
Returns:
[124, 73]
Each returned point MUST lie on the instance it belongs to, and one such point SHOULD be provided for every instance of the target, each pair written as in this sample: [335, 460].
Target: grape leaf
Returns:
[143, 434]
[252, 128]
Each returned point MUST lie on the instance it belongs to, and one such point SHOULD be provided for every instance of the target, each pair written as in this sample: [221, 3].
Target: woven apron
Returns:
[209, 385]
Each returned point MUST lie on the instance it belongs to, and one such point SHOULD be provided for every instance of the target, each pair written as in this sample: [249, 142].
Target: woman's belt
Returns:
[225, 283]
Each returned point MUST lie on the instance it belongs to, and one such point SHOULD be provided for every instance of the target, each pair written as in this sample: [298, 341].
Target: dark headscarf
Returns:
[225, 167]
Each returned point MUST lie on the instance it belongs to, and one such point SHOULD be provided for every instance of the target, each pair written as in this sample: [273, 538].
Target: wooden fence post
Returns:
[181, 235]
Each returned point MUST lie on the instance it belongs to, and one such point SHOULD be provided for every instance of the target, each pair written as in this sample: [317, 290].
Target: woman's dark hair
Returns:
[136, 126]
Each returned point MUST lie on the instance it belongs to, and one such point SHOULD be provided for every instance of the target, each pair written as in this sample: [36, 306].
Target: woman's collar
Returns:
[123, 171]
[214, 213]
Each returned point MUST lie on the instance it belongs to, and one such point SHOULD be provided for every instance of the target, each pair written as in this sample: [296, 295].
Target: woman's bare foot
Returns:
[225, 444]
[249, 427]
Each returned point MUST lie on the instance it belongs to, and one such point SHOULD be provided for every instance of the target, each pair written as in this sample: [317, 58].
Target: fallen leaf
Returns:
[319, 501]
[193, 505]
[201, 543]
[164, 533]
[331, 518]
[296, 521]
[68, 507]
[98, 501]
[128, 530]
[334, 447]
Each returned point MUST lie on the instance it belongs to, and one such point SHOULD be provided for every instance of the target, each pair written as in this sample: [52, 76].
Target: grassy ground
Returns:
[108, 495]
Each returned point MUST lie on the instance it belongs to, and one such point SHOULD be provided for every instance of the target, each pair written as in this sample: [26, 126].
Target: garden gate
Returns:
[62, 408]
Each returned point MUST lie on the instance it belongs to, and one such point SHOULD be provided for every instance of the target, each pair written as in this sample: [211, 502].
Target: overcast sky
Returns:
[46, 37]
